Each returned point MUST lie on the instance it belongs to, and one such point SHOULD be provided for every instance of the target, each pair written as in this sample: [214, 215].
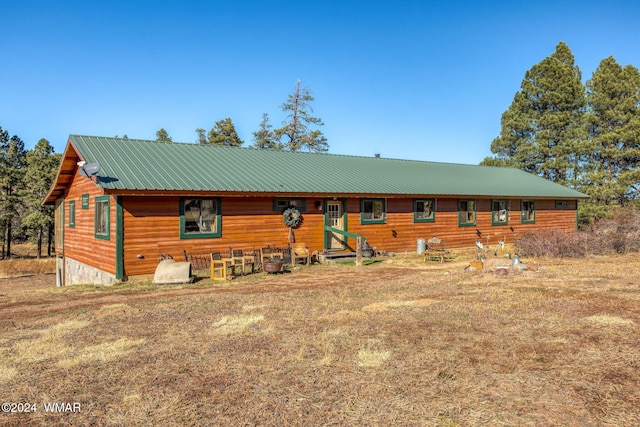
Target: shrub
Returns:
[619, 233]
[551, 243]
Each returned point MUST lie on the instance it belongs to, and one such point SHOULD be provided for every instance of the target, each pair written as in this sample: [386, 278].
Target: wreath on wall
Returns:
[292, 217]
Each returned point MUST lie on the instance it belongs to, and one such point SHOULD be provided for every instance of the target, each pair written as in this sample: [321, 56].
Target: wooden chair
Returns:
[300, 251]
[219, 266]
[435, 250]
[269, 254]
[239, 258]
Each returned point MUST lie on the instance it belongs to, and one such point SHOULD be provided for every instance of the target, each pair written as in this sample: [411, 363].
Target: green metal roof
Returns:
[129, 164]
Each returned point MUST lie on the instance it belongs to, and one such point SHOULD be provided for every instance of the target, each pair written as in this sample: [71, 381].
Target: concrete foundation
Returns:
[78, 273]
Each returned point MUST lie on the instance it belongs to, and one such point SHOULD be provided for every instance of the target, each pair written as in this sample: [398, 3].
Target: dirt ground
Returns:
[397, 342]
[33, 295]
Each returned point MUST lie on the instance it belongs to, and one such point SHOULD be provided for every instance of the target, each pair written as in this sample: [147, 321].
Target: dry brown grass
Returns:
[395, 343]
[24, 262]
[24, 267]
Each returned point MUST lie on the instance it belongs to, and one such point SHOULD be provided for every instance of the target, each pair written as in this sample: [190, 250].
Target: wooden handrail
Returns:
[344, 233]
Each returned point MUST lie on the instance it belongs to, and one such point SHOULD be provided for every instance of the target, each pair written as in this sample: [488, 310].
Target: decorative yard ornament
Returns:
[292, 218]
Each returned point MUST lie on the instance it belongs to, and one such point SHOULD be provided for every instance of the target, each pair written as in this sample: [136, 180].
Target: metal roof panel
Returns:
[131, 164]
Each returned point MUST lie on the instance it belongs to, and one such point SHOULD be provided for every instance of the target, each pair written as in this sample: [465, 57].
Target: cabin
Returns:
[120, 204]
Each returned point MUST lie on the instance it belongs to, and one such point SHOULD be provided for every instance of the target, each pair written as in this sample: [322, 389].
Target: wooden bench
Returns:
[436, 251]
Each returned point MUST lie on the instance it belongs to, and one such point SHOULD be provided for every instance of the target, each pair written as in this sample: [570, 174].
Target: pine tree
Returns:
[224, 133]
[12, 169]
[202, 136]
[41, 168]
[296, 131]
[163, 136]
[542, 131]
[516, 144]
[264, 136]
[614, 97]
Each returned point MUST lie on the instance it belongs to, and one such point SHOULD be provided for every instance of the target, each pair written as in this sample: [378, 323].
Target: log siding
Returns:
[151, 226]
[80, 241]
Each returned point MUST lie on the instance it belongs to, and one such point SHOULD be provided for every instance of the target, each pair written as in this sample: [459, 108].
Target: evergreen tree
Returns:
[542, 131]
[202, 136]
[264, 136]
[163, 136]
[224, 133]
[41, 168]
[296, 131]
[613, 95]
[12, 169]
[515, 147]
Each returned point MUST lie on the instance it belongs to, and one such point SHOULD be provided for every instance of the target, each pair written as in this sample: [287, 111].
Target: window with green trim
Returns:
[72, 213]
[466, 213]
[372, 211]
[499, 212]
[527, 212]
[102, 220]
[282, 204]
[200, 217]
[424, 210]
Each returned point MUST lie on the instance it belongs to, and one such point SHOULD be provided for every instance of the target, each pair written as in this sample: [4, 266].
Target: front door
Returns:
[335, 218]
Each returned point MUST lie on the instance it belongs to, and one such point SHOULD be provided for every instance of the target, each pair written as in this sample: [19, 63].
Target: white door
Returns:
[335, 219]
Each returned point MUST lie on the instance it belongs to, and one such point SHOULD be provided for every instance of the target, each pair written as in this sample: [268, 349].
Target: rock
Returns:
[501, 271]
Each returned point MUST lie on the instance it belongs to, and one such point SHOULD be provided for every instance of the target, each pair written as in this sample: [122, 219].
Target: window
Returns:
[282, 204]
[499, 212]
[372, 211]
[102, 222]
[85, 201]
[72, 213]
[199, 218]
[466, 212]
[562, 204]
[424, 210]
[527, 212]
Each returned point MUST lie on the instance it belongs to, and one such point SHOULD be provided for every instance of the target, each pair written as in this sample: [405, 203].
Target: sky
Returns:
[424, 80]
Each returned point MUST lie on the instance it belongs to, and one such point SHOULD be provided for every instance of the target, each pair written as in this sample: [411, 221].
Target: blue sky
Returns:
[419, 80]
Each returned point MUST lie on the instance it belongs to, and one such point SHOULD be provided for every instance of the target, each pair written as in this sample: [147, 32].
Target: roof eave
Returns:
[66, 172]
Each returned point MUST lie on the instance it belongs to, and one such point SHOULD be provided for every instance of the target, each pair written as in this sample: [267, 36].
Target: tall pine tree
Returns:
[297, 131]
[613, 94]
[41, 167]
[542, 131]
[12, 170]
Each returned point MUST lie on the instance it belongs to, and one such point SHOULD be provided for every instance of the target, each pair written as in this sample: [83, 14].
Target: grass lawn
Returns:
[398, 342]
